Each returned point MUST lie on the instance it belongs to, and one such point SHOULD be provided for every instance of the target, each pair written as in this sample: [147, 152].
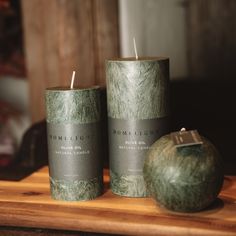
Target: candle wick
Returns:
[72, 80]
[135, 49]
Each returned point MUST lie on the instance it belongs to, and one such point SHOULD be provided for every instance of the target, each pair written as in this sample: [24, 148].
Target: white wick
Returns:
[182, 130]
[72, 80]
[135, 49]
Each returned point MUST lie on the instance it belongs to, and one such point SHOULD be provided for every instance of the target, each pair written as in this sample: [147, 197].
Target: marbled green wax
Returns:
[77, 106]
[137, 90]
[74, 107]
[185, 179]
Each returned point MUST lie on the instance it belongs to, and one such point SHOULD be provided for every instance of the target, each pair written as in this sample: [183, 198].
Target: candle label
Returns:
[129, 140]
[186, 138]
[74, 151]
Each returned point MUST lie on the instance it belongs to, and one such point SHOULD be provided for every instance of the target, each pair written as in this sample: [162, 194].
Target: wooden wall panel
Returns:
[107, 35]
[35, 57]
[84, 42]
[66, 35]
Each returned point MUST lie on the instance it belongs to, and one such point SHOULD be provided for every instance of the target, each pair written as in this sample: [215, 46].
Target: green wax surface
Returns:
[65, 105]
[136, 90]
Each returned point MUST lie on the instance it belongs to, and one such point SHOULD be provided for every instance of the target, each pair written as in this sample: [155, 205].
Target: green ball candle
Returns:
[73, 129]
[184, 179]
[138, 112]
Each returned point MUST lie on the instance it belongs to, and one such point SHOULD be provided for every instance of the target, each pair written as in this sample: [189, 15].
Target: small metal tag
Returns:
[186, 138]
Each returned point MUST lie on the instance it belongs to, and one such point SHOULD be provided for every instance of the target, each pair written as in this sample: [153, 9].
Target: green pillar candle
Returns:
[138, 112]
[73, 132]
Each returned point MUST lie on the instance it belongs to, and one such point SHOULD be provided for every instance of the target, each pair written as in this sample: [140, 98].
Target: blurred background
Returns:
[42, 42]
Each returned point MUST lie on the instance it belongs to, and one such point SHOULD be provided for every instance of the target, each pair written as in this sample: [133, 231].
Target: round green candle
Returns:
[187, 178]
[73, 132]
[138, 112]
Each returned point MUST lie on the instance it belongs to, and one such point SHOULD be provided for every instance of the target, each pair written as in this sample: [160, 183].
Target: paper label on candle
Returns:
[74, 151]
[129, 141]
[186, 138]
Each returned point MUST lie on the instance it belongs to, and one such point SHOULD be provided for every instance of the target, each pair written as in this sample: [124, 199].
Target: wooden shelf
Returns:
[27, 203]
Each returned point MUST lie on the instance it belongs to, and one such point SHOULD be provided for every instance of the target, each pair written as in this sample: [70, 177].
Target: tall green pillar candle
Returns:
[73, 132]
[138, 114]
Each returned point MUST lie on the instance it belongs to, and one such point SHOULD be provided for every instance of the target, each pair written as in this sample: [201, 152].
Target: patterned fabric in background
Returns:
[7, 136]
[11, 39]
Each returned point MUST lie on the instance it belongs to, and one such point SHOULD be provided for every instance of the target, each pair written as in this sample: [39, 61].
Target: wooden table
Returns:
[27, 203]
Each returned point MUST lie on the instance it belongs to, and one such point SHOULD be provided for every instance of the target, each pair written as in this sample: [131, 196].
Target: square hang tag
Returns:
[185, 138]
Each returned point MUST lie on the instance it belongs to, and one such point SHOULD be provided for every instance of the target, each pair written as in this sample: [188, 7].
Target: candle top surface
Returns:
[67, 88]
[139, 59]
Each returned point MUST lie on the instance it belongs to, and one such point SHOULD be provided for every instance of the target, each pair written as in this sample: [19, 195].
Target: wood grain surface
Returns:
[27, 203]
[62, 36]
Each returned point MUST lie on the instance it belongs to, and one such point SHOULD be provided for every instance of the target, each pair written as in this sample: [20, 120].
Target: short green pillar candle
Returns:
[73, 132]
[138, 114]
